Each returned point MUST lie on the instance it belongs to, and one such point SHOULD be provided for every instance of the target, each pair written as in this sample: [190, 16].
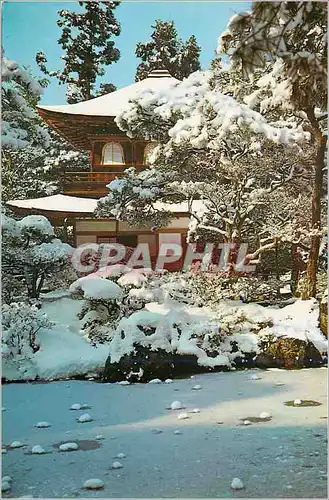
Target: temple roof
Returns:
[110, 105]
[80, 122]
[72, 205]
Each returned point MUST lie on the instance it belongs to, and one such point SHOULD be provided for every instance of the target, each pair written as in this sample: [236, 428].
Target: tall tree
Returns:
[87, 43]
[293, 35]
[167, 51]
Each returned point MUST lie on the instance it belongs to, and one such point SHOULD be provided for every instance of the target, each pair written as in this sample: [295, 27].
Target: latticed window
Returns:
[149, 148]
[112, 154]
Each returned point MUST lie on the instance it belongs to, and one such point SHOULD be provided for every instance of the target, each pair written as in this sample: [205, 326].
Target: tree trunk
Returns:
[312, 265]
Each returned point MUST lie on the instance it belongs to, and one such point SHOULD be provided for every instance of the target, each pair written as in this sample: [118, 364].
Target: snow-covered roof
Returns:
[112, 104]
[73, 204]
[57, 203]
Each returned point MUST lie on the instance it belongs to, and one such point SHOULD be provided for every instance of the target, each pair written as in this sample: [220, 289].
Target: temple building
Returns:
[90, 126]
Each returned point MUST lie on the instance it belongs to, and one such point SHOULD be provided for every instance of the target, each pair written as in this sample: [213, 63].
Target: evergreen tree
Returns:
[167, 51]
[87, 42]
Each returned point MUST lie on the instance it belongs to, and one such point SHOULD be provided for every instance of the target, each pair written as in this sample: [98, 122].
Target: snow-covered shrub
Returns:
[20, 325]
[101, 307]
[31, 249]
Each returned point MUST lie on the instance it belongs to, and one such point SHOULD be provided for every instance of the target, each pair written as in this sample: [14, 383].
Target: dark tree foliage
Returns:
[166, 50]
[87, 42]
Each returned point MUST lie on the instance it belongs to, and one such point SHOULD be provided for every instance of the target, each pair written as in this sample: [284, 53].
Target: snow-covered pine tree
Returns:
[166, 50]
[34, 157]
[87, 42]
[31, 249]
[294, 36]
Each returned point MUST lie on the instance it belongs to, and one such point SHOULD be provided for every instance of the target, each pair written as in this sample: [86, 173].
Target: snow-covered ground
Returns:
[283, 457]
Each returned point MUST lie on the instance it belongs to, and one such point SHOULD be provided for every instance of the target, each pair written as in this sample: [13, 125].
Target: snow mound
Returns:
[176, 405]
[237, 484]
[75, 406]
[43, 425]
[183, 416]
[93, 484]
[16, 444]
[84, 418]
[116, 465]
[264, 415]
[69, 447]
[155, 381]
[96, 288]
[38, 450]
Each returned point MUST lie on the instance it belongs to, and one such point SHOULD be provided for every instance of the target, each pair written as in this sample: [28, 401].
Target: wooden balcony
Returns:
[92, 184]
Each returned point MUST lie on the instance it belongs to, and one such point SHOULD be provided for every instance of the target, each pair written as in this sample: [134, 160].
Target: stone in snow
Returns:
[93, 484]
[76, 406]
[7, 479]
[16, 444]
[237, 484]
[196, 410]
[254, 377]
[176, 405]
[123, 382]
[69, 447]
[264, 414]
[5, 486]
[168, 381]
[120, 455]
[155, 381]
[42, 425]
[178, 432]
[183, 416]
[297, 402]
[85, 406]
[197, 387]
[99, 437]
[38, 450]
[116, 465]
[84, 418]
[3, 451]
[247, 422]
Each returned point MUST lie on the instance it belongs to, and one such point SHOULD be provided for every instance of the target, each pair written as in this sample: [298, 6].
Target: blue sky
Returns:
[29, 27]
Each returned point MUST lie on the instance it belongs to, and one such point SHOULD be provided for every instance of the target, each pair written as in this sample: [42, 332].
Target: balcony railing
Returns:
[88, 182]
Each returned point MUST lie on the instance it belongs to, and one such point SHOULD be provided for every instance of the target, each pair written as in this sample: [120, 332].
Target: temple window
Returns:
[149, 148]
[112, 154]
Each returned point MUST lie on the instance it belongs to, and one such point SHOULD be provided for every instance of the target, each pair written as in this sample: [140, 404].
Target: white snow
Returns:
[69, 447]
[16, 444]
[120, 455]
[246, 422]
[123, 382]
[75, 406]
[8, 479]
[182, 416]
[155, 381]
[237, 484]
[264, 414]
[196, 410]
[84, 418]
[116, 465]
[93, 484]
[168, 381]
[197, 387]
[96, 287]
[297, 402]
[58, 203]
[176, 405]
[99, 437]
[38, 450]
[254, 377]
[43, 425]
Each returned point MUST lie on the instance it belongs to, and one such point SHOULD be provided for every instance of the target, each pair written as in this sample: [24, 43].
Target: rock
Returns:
[69, 447]
[93, 484]
[76, 406]
[38, 450]
[5, 486]
[237, 484]
[157, 431]
[178, 432]
[176, 405]
[152, 364]
[155, 381]
[288, 353]
[120, 455]
[16, 444]
[116, 465]
[84, 418]
[85, 406]
[43, 425]
[183, 416]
